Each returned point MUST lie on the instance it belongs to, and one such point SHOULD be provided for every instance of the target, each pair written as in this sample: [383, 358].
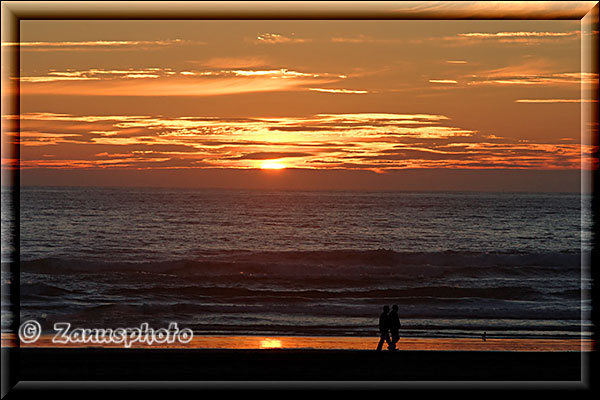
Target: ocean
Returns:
[236, 262]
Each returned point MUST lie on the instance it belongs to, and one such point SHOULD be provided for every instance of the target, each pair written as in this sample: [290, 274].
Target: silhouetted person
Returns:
[394, 322]
[484, 336]
[384, 327]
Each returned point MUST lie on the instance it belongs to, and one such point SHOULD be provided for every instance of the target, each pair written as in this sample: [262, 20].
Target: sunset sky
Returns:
[220, 102]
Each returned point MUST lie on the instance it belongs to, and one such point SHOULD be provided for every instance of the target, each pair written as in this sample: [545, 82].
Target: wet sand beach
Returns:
[321, 359]
[255, 342]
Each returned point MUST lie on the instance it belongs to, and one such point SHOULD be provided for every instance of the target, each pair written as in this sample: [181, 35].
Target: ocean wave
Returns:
[42, 289]
[252, 295]
[341, 267]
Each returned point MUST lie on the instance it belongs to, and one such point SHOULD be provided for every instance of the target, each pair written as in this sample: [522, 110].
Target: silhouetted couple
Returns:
[389, 328]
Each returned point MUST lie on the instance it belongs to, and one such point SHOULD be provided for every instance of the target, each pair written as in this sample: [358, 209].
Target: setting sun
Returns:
[271, 164]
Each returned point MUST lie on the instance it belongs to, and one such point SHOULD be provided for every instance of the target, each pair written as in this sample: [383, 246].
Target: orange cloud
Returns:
[566, 78]
[542, 101]
[340, 91]
[186, 83]
[93, 45]
[502, 35]
[44, 79]
[374, 141]
[492, 38]
[443, 81]
[274, 38]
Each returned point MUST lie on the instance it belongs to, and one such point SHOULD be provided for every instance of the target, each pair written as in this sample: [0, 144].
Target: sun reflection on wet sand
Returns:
[343, 343]
[268, 343]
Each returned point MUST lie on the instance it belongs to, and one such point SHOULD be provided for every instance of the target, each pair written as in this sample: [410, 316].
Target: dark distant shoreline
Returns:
[92, 364]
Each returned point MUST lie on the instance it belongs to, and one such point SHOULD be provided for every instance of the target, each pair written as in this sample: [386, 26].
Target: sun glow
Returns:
[272, 164]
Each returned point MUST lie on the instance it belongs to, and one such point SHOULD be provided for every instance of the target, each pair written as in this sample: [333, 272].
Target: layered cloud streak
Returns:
[368, 141]
[167, 82]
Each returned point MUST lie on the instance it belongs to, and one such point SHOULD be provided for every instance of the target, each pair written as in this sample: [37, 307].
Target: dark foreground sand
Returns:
[45, 364]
